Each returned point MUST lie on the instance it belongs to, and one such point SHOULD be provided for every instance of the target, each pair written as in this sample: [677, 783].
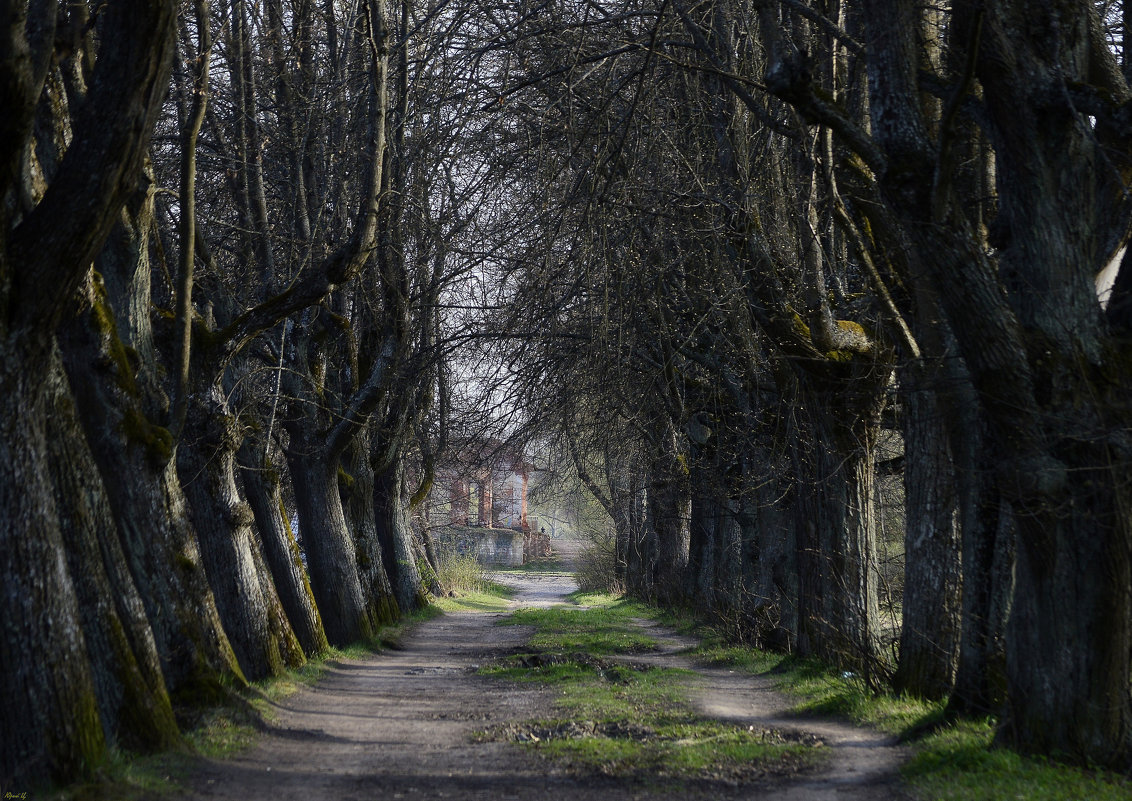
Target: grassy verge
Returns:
[955, 762]
[626, 718]
[489, 597]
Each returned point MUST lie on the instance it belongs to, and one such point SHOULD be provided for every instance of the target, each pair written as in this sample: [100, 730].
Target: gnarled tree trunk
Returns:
[132, 699]
[245, 594]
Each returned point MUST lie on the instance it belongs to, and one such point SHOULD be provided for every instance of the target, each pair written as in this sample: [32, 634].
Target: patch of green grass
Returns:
[599, 624]
[957, 763]
[684, 750]
[543, 564]
[622, 718]
[822, 690]
[491, 598]
[598, 630]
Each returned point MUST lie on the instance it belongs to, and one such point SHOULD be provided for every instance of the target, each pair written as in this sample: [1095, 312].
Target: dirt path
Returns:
[399, 725]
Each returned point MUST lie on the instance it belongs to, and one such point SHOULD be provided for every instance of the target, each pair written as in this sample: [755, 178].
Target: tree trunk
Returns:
[48, 705]
[836, 548]
[149, 508]
[357, 487]
[396, 537]
[988, 559]
[245, 596]
[929, 636]
[261, 484]
[1053, 385]
[1068, 637]
[331, 557]
[669, 510]
[132, 698]
[703, 544]
[771, 563]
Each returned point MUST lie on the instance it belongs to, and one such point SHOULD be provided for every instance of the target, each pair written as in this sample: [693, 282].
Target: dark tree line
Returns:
[739, 259]
[779, 234]
[228, 229]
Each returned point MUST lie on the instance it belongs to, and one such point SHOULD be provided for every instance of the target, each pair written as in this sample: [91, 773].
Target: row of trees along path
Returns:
[741, 269]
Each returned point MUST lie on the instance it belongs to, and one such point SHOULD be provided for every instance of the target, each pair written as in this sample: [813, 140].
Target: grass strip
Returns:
[487, 597]
[625, 718]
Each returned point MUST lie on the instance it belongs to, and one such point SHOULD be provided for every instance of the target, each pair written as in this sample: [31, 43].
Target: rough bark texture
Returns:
[1032, 335]
[48, 704]
[51, 227]
[281, 552]
[249, 606]
[835, 521]
[357, 484]
[929, 635]
[331, 557]
[133, 702]
[988, 561]
[396, 537]
[669, 511]
[149, 508]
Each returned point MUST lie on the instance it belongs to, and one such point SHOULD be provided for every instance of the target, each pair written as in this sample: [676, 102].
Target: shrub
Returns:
[460, 573]
[596, 565]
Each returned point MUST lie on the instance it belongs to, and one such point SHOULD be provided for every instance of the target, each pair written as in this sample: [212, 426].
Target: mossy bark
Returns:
[149, 508]
[133, 703]
[49, 711]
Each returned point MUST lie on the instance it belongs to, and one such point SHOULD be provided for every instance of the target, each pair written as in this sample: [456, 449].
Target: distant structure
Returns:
[486, 483]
